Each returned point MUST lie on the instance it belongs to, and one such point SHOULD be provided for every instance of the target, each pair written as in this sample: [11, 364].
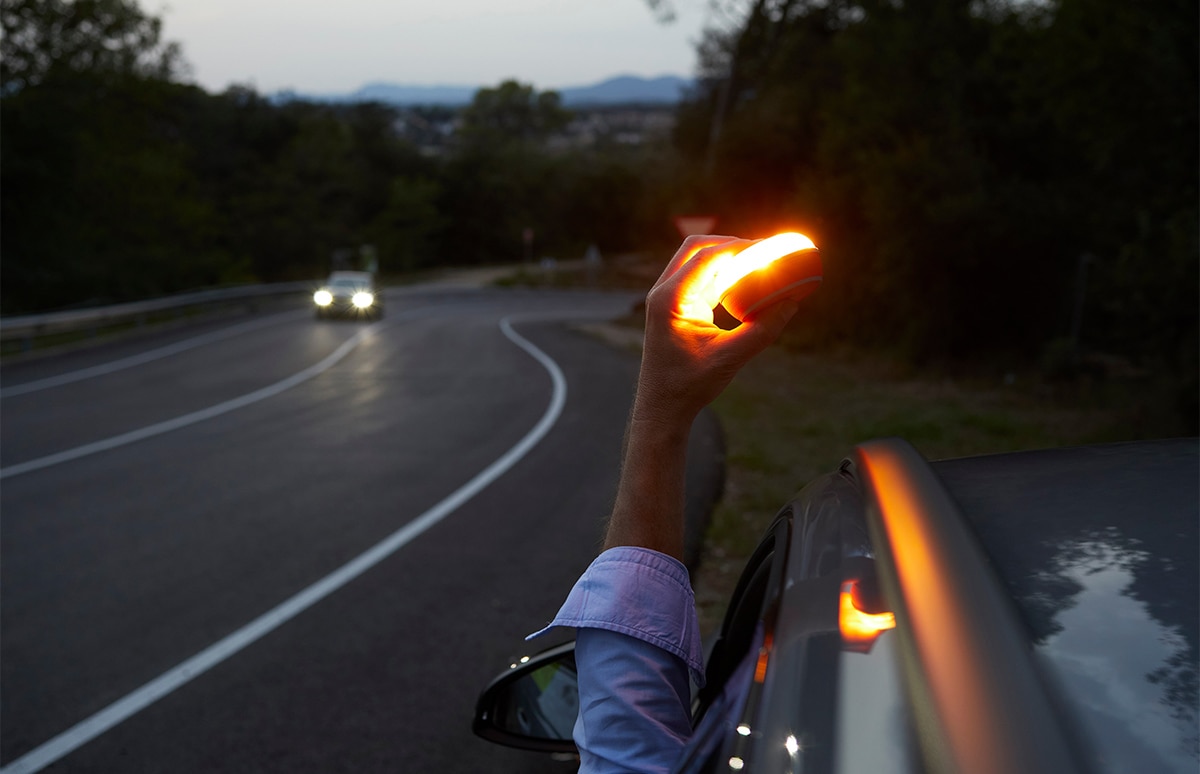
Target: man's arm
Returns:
[686, 362]
[634, 609]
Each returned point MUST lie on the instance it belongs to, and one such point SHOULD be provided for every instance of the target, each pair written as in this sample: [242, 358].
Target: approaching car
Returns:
[1025, 612]
[349, 294]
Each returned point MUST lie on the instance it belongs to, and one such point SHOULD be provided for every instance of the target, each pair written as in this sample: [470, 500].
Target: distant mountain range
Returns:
[624, 89]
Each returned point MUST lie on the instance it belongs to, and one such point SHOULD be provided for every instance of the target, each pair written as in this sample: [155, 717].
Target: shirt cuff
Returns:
[641, 593]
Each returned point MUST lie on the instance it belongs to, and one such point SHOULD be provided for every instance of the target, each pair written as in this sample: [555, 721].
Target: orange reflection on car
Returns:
[859, 628]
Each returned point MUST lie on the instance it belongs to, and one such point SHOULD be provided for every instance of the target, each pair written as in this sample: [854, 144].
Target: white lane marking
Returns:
[144, 357]
[122, 709]
[233, 404]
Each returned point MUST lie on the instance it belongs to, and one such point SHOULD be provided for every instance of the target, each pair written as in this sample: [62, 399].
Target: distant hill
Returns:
[667, 89]
[624, 89]
[395, 94]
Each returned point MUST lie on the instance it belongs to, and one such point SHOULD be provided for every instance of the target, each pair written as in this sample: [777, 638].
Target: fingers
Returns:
[687, 281]
[686, 359]
[684, 290]
[688, 250]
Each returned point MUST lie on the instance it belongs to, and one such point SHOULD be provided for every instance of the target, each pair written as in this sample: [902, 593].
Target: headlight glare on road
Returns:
[362, 299]
[323, 298]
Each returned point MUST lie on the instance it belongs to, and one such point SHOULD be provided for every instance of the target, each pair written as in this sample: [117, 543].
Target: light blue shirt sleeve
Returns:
[638, 639]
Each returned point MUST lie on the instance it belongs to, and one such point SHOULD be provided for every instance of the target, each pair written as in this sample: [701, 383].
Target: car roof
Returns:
[1110, 686]
[1099, 548]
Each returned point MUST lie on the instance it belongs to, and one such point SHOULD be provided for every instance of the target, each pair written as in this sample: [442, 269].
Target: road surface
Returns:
[277, 544]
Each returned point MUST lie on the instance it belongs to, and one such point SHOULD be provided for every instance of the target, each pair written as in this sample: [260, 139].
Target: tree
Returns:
[944, 152]
[496, 183]
[43, 38]
[99, 196]
[512, 112]
[405, 229]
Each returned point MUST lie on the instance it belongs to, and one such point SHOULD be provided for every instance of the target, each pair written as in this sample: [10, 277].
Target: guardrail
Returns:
[28, 328]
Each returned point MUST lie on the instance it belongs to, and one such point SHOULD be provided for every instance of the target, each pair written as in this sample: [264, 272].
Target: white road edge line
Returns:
[120, 710]
[176, 423]
[145, 357]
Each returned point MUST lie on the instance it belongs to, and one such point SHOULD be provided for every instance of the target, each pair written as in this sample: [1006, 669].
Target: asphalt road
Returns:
[197, 480]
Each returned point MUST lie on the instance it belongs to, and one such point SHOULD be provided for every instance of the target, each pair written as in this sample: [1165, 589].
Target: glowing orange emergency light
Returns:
[786, 265]
[859, 629]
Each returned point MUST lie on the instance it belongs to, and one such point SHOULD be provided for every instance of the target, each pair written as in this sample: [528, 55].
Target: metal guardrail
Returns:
[27, 328]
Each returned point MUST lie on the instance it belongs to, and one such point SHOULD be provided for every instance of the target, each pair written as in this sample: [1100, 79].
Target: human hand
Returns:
[687, 360]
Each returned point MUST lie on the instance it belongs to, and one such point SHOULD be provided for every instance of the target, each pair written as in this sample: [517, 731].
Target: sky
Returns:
[336, 46]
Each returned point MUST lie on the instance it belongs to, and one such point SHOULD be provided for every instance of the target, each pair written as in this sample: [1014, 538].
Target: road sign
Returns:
[695, 224]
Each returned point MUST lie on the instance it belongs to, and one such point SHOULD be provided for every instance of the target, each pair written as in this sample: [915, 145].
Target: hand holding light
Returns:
[688, 360]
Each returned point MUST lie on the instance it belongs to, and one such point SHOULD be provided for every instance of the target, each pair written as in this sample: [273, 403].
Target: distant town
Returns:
[619, 90]
[432, 129]
[620, 111]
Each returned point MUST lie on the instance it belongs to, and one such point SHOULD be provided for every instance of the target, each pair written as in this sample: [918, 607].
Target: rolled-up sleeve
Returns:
[637, 640]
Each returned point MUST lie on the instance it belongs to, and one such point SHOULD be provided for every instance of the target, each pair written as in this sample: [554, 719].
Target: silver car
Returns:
[349, 294]
[1025, 612]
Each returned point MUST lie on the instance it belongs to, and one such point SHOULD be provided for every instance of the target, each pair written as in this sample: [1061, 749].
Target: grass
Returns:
[790, 417]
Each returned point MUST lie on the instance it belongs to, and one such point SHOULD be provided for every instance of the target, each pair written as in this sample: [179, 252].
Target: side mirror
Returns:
[533, 704]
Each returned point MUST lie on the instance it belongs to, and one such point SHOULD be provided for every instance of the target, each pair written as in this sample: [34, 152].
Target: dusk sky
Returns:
[318, 46]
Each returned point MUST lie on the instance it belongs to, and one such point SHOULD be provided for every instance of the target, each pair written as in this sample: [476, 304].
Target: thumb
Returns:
[759, 332]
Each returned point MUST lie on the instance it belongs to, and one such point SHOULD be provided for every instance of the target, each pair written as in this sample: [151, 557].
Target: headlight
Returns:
[362, 299]
[323, 298]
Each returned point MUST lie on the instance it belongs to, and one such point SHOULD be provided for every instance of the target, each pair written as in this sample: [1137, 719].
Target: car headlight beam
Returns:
[362, 299]
[323, 297]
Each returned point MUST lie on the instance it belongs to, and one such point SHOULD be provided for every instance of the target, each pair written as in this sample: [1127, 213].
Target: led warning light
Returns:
[860, 629]
[786, 265]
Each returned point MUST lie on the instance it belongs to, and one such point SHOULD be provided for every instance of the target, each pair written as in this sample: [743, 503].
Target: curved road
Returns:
[187, 524]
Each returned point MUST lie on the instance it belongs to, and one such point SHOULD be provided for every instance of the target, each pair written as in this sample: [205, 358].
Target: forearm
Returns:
[649, 507]
[686, 363]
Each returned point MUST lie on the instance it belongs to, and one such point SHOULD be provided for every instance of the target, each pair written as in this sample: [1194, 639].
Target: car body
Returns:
[349, 294]
[1024, 612]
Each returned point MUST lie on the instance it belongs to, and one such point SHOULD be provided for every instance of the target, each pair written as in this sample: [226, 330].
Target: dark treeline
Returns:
[984, 178]
[956, 159]
[119, 181]
[124, 186]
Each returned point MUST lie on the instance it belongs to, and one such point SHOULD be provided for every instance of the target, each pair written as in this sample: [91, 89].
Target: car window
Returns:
[1099, 549]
